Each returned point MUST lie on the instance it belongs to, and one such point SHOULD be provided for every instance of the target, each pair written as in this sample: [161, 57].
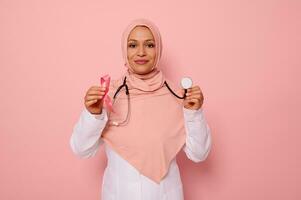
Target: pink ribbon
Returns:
[105, 80]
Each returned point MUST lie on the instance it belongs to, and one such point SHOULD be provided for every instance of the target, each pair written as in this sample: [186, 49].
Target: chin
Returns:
[140, 69]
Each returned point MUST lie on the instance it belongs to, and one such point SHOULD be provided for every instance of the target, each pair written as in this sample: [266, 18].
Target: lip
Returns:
[141, 61]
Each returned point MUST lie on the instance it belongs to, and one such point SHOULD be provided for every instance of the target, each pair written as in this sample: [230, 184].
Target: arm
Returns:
[85, 138]
[198, 138]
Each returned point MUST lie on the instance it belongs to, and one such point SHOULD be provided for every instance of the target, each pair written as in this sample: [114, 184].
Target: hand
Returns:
[194, 98]
[94, 99]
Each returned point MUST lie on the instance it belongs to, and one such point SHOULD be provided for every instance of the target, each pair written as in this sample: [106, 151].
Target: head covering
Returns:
[156, 34]
[155, 131]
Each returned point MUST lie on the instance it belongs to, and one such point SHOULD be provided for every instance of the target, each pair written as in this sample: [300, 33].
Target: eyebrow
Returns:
[137, 40]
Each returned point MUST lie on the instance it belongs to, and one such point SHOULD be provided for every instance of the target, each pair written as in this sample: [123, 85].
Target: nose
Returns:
[141, 51]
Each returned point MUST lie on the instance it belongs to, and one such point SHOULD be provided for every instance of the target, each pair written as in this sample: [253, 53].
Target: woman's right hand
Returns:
[94, 99]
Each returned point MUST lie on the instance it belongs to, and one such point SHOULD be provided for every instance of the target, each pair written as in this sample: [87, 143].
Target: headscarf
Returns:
[155, 132]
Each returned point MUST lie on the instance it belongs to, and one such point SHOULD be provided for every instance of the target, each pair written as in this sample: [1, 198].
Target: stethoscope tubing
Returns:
[127, 90]
[128, 96]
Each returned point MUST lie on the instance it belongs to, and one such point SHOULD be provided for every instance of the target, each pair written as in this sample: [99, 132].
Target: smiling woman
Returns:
[142, 152]
[141, 50]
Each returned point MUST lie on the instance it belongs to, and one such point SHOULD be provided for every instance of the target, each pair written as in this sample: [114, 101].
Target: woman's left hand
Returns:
[194, 98]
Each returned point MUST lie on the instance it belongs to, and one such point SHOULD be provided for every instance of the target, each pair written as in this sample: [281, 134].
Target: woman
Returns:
[148, 125]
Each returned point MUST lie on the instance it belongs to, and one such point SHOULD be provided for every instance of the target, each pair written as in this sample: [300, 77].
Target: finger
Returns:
[96, 92]
[194, 93]
[193, 101]
[89, 103]
[93, 97]
[94, 87]
[97, 88]
[196, 96]
[194, 88]
[102, 88]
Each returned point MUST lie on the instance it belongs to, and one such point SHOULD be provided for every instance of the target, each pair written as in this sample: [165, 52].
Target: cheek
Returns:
[152, 53]
[130, 54]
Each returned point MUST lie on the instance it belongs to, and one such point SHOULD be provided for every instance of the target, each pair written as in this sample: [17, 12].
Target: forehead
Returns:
[141, 33]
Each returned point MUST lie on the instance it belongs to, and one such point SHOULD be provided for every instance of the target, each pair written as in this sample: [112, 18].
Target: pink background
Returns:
[245, 56]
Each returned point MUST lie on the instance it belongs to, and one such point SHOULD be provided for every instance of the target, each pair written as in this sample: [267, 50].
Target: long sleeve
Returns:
[86, 135]
[198, 136]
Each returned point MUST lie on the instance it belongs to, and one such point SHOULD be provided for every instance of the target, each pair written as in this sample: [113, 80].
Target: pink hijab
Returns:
[155, 132]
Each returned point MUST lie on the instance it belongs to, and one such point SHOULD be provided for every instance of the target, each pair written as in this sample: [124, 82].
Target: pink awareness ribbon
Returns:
[105, 80]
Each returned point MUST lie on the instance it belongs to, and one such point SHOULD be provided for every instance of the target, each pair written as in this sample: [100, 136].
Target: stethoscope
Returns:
[186, 83]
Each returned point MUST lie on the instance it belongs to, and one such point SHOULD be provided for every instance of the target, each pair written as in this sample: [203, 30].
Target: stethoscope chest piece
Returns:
[186, 82]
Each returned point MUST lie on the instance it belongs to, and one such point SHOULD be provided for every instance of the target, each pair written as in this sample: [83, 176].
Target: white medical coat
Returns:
[121, 181]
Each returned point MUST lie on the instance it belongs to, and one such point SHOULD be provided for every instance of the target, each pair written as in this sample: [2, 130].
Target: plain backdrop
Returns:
[245, 56]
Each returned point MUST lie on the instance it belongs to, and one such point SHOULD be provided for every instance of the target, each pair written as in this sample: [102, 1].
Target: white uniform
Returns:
[121, 181]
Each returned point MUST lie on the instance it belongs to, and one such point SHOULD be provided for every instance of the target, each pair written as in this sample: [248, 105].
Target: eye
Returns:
[132, 45]
[151, 45]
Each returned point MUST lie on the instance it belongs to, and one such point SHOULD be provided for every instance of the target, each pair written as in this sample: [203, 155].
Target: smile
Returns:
[141, 62]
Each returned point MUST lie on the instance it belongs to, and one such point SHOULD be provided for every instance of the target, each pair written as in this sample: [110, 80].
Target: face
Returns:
[141, 50]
